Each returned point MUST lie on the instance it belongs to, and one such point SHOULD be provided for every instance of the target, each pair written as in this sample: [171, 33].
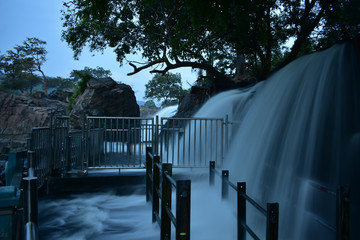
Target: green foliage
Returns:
[59, 83]
[150, 104]
[166, 88]
[18, 65]
[208, 35]
[81, 86]
[97, 72]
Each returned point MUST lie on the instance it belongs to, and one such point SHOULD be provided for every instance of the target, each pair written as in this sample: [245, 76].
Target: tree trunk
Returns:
[45, 82]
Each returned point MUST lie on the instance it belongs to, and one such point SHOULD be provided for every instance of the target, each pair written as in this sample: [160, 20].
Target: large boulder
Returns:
[104, 97]
[192, 102]
[18, 114]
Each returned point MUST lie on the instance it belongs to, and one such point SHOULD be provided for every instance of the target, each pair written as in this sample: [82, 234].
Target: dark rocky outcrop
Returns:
[104, 97]
[18, 114]
[192, 102]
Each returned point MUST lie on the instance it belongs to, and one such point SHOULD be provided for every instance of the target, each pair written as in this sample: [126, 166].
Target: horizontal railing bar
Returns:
[40, 128]
[233, 186]
[158, 220]
[255, 204]
[99, 168]
[323, 189]
[171, 215]
[193, 119]
[126, 118]
[322, 222]
[217, 172]
[172, 181]
[158, 192]
[158, 165]
[251, 232]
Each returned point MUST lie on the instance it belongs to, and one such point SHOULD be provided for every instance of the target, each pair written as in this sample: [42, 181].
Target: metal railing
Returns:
[157, 175]
[271, 212]
[342, 209]
[40, 143]
[117, 142]
[191, 142]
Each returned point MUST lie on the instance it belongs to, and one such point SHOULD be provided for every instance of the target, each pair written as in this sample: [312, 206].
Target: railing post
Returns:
[30, 207]
[241, 210]
[226, 132]
[224, 184]
[165, 202]
[68, 153]
[212, 173]
[272, 221]
[343, 213]
[149, 165]
[155, 187]
[156, 150]
[31, 163]
[183, 188]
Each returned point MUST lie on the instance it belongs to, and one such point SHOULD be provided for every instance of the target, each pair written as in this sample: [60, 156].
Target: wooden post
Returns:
[272, 221]
[241, 210]
[212, 173]
[165, 227]
[183, 188]
[225, 184]
[149, 164]
[343, 213]
[155, 188]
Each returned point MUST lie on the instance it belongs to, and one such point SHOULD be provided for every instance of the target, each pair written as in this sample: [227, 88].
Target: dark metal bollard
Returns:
[225, 184]
[165, 202]
[149, 164]
[272, 221]
[241, 210]
[183, 188]
[155, 188]
[212, 173]
[343, 213]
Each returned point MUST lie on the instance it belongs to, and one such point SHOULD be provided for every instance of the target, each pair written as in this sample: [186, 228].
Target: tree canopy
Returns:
[19, 65]
[98, 72]
[166, 88]
[222, 37]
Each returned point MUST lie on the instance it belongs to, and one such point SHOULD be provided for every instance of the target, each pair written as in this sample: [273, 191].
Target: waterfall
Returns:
[301, 125]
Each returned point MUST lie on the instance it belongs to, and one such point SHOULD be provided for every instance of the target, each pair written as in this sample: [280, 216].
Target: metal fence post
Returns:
[31, 163]
[225, 184]
[272, 221]
[31, 207]
[241, 210]
[212, 173]
[183, 188]
[149, 165]
[68, 153]
[155, 187]
[226, 133]
[156, 150]
[343, 213]
[165, 202]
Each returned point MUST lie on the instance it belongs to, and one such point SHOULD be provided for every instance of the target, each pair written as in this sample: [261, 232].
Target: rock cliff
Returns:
[104, 97]
[18, 114]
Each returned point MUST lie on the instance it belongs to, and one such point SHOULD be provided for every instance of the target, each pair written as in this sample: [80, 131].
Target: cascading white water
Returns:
[300, 125]
[168, 111]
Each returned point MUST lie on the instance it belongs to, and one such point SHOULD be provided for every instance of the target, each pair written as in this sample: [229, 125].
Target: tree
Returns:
[34, 49]
[150, 104]
[18, 71]
[97, 72]
[166, 88]
[218, 36]
[19, 65]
